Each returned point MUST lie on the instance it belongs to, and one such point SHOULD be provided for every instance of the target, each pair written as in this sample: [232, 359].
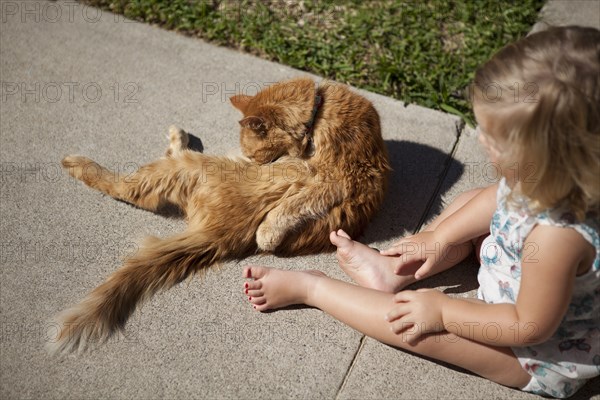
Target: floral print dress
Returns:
[560, 366]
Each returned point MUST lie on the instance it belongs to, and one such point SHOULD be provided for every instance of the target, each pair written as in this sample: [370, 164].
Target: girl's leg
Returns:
[363, 309]
[370, 269]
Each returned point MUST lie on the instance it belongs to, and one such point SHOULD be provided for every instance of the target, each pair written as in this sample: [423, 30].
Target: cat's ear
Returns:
[240, 101]
[257, 124]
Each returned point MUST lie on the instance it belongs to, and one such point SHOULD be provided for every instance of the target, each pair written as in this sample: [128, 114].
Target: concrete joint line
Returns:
[363, 339]
[459, 127]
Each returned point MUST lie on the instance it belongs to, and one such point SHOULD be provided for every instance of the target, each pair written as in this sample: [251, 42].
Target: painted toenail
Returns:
[246, 285]
[250, 298]
[246, 291]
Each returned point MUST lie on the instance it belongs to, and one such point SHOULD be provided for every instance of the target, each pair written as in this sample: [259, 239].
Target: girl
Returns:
[536, 323]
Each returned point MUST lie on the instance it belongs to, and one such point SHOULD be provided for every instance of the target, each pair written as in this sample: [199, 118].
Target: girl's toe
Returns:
[261, 307]
[254, 285]
[255, 271]
[341, 233]
[257, 300]
[255, 293]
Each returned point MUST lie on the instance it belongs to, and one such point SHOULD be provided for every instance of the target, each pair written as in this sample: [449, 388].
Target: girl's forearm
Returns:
[470, 221]
[493, 324]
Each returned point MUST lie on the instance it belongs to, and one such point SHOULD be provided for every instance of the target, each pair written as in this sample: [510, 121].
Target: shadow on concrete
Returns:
[414, 189]
[589, 391]
[195, 143]
[461, 278]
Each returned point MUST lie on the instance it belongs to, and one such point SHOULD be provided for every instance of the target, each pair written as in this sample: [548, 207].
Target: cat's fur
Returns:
[295, 188]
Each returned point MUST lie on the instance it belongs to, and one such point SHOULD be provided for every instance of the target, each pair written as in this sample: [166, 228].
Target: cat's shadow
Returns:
[195, 143]
[420, 176]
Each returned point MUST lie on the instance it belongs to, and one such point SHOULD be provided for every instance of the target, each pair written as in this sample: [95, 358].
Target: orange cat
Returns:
[317, 162]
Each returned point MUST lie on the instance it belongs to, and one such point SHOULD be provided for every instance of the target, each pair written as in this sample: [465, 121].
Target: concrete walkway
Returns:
[78, 80]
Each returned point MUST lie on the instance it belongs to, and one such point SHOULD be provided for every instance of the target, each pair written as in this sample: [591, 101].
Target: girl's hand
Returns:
[424, 246]
[417, 312]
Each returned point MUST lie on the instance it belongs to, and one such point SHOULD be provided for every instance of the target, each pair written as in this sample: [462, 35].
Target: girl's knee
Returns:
[477, 243]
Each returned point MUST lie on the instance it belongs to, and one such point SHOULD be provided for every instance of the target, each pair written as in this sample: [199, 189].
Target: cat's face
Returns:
[268, 130]
[262, 141]
[262, 138]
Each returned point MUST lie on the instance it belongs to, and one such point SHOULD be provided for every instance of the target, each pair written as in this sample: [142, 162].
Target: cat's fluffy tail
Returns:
[159, 264]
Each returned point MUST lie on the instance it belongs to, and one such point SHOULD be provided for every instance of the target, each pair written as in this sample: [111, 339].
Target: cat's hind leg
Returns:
[91, 173]
[178, 141]
[150, 187]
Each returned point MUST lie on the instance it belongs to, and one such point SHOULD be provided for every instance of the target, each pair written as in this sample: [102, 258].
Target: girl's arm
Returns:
[470, 221]
[551, 257]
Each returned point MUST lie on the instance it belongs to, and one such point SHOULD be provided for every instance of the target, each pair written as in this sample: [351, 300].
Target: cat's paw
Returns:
[178, 140]
[267, 237]
[81, 168]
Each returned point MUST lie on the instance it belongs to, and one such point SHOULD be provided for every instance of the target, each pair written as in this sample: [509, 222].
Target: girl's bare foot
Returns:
[274, 288]
[366, 266]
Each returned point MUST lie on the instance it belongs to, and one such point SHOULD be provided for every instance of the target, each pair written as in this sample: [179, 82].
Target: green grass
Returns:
[422, 52]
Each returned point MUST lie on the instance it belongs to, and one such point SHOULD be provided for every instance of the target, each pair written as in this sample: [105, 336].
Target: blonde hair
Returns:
[545, 91]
